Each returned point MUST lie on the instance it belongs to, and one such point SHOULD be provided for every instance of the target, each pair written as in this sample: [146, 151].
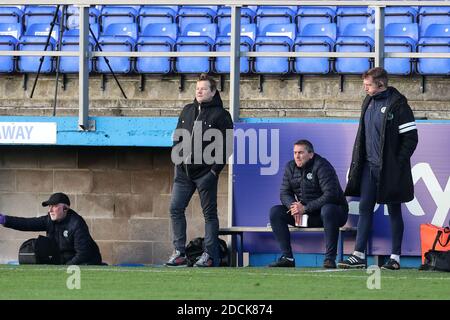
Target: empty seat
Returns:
[71, 64]
[39, 14]
[7, 63]
[357, 37]
[308, 15]
[266, 15]
[438, 30]
[31, 63]
[11, 29]
[432, 15]
[121, 29]
[433, 66]
[350, 15]
[73, 17]
[10, 15]
[315, 37]
[116, 14]
[400, 37]
[195, 14]
[42, 29]
[274, 38]
[197, 37]
[223, 17]
[248, 35]
[95, 27]
[156, 37]
[114, 44]
[399, 66]
[153, 14]
[399, 15]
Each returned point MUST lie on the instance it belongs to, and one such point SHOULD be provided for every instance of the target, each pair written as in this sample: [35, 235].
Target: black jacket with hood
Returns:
[210, 115]
[399, 139]
[76, 246]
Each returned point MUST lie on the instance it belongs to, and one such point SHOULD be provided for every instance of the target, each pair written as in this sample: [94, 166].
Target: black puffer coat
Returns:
[315, 185]
[211, 115]
[399, 139]
[75, 244]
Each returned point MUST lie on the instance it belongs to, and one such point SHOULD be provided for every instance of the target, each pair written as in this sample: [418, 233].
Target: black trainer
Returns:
[352, 262]
[283, 262]
[329, 264]
[391, 264]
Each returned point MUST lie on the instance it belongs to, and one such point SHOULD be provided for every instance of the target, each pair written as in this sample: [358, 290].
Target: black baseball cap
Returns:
[56, 198]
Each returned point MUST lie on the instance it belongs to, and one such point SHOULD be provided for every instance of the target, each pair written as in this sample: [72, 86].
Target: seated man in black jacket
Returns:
[63, 226]
[310, 188]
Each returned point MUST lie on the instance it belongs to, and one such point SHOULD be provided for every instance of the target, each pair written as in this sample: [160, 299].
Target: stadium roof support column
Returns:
[379, 36]
[84, 69]
[235, 69]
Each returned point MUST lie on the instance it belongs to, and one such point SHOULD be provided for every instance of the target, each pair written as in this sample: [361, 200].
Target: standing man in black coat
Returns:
[199, 153]
[380, 171]
[64, 227]
[310, 188]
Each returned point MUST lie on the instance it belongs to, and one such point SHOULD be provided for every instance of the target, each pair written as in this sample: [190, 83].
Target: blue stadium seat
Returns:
[315, 37]
[116, 14]
[436, 39]
[438, 30]
[223, 17]
[197, 37]
[432, 15]
[350, 15]
[39, 14]
[248, 35]
[274, 38]
[410, 30]
[10, 15]
[121, 29]
[153, 14]
[11, 29]
[73, 17]
[42, 29]
[71, 64]
[266, 15]
[156, 37]
[7, 43]
[95, 27]
[400, 37]
[308, 15]
[399, 66]
[195, 14]
[356, 37]
[114, 44]
[31, 64]
[399, 15]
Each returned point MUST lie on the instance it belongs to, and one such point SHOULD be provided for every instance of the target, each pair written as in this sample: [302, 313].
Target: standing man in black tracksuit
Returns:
[310, 187]
[380, 171]
[198, 168]
[64, 227]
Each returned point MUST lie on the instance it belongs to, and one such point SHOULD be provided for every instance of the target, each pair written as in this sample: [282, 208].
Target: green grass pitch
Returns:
[50, 282]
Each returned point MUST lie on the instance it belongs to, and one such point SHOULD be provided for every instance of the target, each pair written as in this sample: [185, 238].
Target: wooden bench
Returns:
[238, 232]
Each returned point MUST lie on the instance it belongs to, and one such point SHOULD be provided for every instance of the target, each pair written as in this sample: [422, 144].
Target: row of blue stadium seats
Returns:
[202, 43]
[261, 15]
[411, 30]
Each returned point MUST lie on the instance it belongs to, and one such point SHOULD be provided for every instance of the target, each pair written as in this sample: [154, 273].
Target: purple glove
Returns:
[2, 219]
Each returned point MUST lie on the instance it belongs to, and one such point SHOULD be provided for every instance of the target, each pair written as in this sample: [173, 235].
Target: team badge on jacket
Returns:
[309, 176]
[66, 233]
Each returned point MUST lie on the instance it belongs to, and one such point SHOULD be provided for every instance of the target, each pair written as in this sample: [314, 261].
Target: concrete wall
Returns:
[321, 96]
[123, 193]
